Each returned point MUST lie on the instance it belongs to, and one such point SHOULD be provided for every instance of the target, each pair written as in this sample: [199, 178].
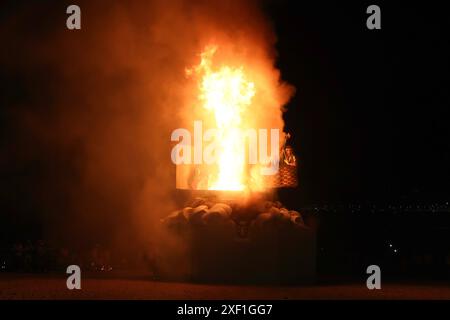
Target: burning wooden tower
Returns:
[231, 227]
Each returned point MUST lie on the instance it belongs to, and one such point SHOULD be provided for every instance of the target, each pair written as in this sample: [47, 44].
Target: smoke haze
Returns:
[87, 114]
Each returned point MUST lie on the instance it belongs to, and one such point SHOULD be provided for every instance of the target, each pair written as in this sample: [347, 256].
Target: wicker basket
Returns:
[287, 176]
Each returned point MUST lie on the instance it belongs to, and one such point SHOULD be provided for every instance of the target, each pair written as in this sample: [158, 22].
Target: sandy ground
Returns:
[29, 286]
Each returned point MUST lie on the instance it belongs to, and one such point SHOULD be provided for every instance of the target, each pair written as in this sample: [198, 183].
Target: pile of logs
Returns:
[207, 212]
[257, 241]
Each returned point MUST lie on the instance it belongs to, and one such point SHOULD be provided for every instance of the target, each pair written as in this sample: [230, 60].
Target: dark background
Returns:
[369, 123]
[370, 118]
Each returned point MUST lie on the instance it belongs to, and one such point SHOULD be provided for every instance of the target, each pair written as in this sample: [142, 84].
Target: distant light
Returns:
[390, 245]
[395, 250]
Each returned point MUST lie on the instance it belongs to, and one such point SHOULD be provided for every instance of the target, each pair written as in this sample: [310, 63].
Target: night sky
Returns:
[369, 119]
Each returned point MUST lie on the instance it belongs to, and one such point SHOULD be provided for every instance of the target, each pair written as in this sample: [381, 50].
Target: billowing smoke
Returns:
[89, 113]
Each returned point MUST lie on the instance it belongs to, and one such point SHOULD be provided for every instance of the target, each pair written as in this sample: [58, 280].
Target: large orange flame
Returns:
[226, 92]
[238, 96]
